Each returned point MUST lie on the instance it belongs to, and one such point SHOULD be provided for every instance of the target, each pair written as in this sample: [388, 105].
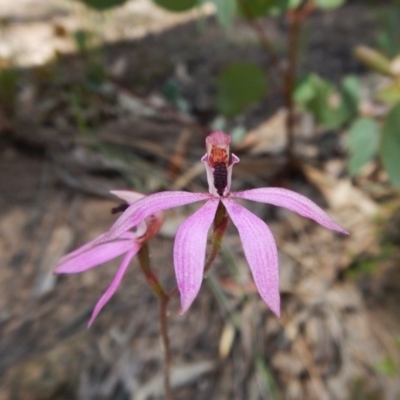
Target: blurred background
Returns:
[98, 95]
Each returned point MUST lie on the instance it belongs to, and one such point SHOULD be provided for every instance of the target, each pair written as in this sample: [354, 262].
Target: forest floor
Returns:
[65, 144]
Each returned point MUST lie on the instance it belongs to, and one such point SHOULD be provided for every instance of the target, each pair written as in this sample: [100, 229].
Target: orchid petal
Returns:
[87, 246]
[114, 284]
[94, 256]
[260, 251]
[80, 250]
[149, 205]
[189, 252]
[292, 201]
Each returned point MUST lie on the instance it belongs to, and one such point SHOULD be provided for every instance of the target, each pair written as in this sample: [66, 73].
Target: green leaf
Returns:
[388, 38]
[259, 8]
[81, 40]
[292, 4]
[239, 85]
[8, 88]
[390, 145]
[362, 141]
[351, 96]
[226, 11]
[176, 5]
[102, 5]
[305, 90]
[317, 96]
[351, 91]
[391, 93]
[329, 4]
[330, 107]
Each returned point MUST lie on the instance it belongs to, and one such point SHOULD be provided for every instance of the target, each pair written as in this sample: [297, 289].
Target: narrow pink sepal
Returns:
[80, 250]
[190, 250]
[149, 205]
[94, 256]
[292, 201]
[260, 251]
[114, 284]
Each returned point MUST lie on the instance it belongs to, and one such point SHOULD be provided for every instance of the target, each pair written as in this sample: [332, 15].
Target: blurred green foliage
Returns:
[102, 5]
[334, 107]
[176, 5]
[388, 38]
[330, 106]
[259, 8]
[239, 85]
[329, 4]
[361, 269]
[8, 88]
[226, 11]
[387, 367]
[362, 142]
[172, 91]
[94, 70]
[388, 142]
[390, 145]
[391, 93]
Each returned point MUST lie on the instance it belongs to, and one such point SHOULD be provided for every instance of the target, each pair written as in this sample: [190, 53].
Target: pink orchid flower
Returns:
[101, 250]
[191, 239]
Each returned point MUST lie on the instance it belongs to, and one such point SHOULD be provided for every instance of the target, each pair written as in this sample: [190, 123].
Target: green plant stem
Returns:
[163, 298]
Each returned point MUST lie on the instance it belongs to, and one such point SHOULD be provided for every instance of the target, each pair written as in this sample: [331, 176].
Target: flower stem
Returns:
[163, 298]
[166, 345]
[151, 278]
